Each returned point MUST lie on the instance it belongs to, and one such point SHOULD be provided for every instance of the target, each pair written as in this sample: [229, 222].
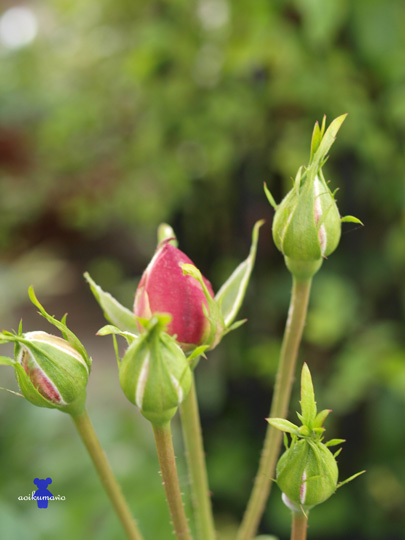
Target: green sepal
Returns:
[308, 404]
[284, 425]
[351, 219]
[317, 135]
[114, 312]
[195, 355]
[269, 196]
[61, 326]
[325, 144]
[110, 329]
[230, 296]
[300, 418]
[5, 360]
[335, 442]
[343, 482]
[212, 313]
[321, 417]
[234, 326]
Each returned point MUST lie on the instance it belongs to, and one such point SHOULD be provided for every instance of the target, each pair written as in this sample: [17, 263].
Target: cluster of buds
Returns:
[307, 472]
[176, 318]
[307, 223]
[51, 371]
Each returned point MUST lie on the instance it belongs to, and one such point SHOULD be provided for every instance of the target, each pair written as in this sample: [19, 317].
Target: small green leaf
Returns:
[316, 139]
[109, 329]
[230, 296]
[300, 418]
[269, 196]
[335, 455]
[235, 325]
[213, 312]
[61, 326]
[194, 357]
[351, 219]
[320, 418]
[323, 126]
[335, 442]
[308, 404]
[318, 430]
[304, 431]
[5, 361]
[113, 311]
[299, 179]
[340, 484]
[283, 425]
[327, 140]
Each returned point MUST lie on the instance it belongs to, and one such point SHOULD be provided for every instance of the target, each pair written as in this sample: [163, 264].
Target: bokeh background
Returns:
[116, 115]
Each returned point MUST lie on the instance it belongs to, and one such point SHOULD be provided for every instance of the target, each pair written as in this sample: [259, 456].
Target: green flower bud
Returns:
[307, 473]
[154, 372]
[306, 226]
[51, 371]
[307, 223]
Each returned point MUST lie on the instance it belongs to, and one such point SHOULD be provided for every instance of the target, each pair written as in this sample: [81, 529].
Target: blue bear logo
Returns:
[42, 494]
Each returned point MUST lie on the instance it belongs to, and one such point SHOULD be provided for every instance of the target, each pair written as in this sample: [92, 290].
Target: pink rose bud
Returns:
[165, 289]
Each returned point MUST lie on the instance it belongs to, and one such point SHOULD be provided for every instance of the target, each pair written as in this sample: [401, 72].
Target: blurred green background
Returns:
[118, 115]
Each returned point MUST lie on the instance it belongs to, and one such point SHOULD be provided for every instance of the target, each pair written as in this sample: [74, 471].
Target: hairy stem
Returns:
[279, 408]
[168, 469]
[190, 419]
[94, 448]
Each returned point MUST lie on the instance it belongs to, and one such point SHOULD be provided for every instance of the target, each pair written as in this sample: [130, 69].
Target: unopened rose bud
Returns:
[154, 372]
[307, 223]
[50, 372]
[171, 284]
[164, 288]
[307, 473]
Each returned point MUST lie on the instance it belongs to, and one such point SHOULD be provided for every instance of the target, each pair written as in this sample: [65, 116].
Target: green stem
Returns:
[190, 419]
[170, 480]
[299, 526]
[279, 408]
[90, 440]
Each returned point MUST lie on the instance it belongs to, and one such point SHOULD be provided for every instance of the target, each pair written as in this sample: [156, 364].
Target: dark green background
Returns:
[123, 114]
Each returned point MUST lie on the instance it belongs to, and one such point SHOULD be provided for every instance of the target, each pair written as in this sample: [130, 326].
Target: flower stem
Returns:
[190, 419]
[168, 469]
[90, 440]
[279, 407]
[299, 526]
